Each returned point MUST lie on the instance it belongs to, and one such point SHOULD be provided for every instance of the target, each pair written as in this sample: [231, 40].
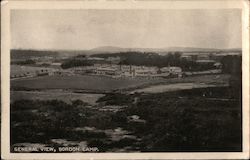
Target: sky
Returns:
[87, 29]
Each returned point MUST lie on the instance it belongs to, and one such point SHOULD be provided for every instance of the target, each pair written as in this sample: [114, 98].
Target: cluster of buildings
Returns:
[118, 71]
[28, 71]
[207, 57]
[110, 70]
[111, 67]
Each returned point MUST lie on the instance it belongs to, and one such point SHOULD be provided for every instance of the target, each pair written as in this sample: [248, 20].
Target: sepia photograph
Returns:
[116, 80]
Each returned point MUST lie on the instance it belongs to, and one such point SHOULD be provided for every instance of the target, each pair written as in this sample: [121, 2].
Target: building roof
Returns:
[106, 69]
[205, 61]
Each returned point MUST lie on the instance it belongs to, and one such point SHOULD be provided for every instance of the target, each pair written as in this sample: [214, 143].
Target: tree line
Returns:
[154, 59]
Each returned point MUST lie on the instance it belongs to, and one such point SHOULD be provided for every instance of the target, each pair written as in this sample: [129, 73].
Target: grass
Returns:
[18, 69]
[59, 95]
[77, 82]
[101, 83]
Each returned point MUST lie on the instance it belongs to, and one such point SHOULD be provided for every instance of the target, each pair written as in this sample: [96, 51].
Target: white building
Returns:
[105, 71]
[173, 70]
[145, 72]
[56, 64]
[95, 58]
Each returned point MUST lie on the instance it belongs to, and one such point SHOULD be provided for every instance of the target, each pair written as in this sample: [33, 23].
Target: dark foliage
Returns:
[116, 99]
[25, 62]
[231, 64]
[24, 54]
[75, 63]
[207, 119]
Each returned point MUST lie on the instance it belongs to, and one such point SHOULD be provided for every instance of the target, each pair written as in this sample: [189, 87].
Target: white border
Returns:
[6, 6]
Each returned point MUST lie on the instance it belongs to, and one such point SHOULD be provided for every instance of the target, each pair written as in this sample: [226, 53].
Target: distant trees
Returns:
[25, 62]
[194, 66]
[75, 63]
[154, 59]
[23, 54]
[145, 59]
[81, 56]
[231, 64]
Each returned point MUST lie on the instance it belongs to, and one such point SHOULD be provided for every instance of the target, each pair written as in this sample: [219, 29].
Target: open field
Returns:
[59, 95]
[85, 82]
[100, 83]
[173, 87]
[18, 69]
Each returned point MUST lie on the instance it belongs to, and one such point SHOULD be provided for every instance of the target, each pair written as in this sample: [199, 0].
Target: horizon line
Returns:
[48, 49]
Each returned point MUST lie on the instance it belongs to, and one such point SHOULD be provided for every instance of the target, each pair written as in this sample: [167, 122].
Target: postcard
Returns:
[126, 79]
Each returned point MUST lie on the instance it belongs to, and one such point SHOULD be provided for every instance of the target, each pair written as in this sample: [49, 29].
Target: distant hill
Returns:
[190, 49]
[112, 49]
[24, 54]
[109, 49]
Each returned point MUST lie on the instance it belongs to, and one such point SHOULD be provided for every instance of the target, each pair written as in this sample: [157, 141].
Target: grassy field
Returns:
[59, 95]
[100, 83]
[172, 87]
[77, 82]
[18, 69]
